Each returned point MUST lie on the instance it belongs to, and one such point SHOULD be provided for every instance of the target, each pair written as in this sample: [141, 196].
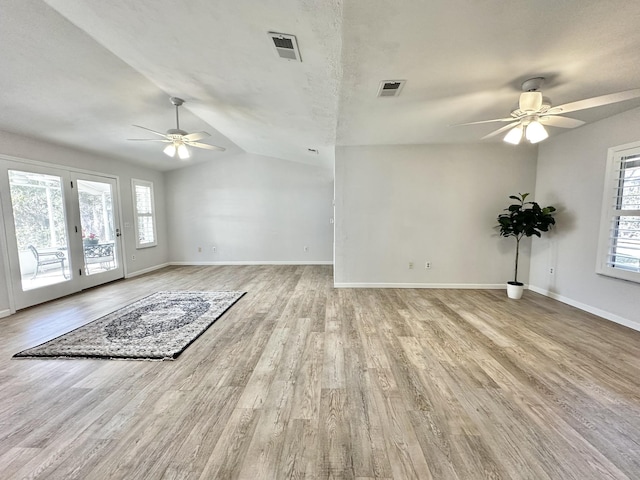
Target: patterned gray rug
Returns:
[158, 327]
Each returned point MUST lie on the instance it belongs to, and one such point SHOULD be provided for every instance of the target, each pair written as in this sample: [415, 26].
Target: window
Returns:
[145, 215]
[619, 247]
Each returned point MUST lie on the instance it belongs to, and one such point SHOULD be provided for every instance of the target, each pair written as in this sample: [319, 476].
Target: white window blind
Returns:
[144, 213]
[619, 247]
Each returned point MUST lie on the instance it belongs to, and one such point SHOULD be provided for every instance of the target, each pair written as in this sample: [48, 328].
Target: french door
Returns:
[101, 260]
[62, 231]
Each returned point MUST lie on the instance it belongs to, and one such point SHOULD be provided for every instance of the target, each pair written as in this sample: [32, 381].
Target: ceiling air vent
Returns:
[286, 46]
[390, 88]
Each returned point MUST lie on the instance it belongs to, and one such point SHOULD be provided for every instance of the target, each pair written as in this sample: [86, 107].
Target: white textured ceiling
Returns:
[465, 60]
[80, 73]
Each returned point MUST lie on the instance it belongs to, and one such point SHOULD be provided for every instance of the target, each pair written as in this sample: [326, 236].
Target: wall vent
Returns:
[286, 46]
[390, 88]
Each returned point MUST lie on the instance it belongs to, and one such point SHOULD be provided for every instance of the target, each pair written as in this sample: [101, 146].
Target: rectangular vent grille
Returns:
[390, 88]
[283, 43]
[286, 46]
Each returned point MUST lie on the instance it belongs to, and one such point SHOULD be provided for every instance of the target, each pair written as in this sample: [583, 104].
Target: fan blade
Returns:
[205, 145]
[510, 119]
[562, 122]
[152, 131]
[194, 137]
[530, 101]
[500, 130]
[596, 101]
[148, 140]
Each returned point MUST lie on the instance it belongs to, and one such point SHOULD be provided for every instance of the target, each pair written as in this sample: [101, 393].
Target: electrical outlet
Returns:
[199, 249]
[410, 265]
[427, 265]
[133, 257]
[552, 270]
[306, 249]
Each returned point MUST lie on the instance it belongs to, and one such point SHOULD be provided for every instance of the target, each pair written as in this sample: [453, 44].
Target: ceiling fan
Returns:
[178, 140]
[534, 111]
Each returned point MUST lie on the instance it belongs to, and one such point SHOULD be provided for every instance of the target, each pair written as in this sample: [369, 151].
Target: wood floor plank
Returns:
[403, 449]
[369, 455]
[301, 380]
[266, 447]
[232, 446]
[298, 443]
[334, 455]
[308, 384]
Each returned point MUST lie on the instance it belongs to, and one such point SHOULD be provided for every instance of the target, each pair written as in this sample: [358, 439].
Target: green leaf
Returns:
[525, 218]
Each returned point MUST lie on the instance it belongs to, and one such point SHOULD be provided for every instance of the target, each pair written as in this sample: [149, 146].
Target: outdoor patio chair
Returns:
[47, 258]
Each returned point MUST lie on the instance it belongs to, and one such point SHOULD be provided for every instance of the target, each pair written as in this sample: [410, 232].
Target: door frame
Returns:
[89, 281]
[4, 240]
[4, 247]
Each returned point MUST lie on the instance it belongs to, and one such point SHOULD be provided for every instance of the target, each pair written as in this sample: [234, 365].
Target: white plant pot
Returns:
[515, 291]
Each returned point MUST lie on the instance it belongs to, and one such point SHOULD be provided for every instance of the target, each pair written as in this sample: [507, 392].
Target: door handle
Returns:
[118, 232]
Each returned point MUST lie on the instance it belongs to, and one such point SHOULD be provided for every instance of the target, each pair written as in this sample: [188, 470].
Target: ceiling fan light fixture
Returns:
[514, 135]
[536, 132]
[183, 152]
[170, 150]
[530, 101]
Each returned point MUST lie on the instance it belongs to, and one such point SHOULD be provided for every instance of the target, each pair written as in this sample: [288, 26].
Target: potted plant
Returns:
[91, 239]
[523, 219]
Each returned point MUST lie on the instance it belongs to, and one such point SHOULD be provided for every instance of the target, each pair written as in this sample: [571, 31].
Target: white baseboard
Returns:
[5, 313]
[466, 286]
[146, 270]
[588, 308]
[265, 262]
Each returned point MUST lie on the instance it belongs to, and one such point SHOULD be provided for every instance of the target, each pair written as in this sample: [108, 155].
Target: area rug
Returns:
[158, 327]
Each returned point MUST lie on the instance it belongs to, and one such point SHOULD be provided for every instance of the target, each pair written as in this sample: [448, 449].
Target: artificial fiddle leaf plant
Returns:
[524, 219]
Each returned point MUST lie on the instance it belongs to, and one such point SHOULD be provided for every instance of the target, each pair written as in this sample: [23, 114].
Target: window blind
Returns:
[145, 215]
[623, 250]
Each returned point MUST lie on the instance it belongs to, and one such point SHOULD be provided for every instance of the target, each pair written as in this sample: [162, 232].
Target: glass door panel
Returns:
[98, 226]
[38, 214]
[39, 218]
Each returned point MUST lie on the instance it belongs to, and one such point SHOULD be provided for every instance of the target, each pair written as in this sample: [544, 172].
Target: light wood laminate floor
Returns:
[300, 380]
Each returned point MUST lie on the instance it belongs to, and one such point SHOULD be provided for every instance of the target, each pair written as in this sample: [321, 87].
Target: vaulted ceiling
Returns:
[82, 73]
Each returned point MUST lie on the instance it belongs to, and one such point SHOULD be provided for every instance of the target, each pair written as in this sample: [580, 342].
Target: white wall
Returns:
[253, 209]
[30, 149]
[437, 203]
[571, 169]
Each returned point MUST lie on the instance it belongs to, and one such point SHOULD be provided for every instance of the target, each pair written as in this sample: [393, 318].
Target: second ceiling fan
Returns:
[534, 112]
